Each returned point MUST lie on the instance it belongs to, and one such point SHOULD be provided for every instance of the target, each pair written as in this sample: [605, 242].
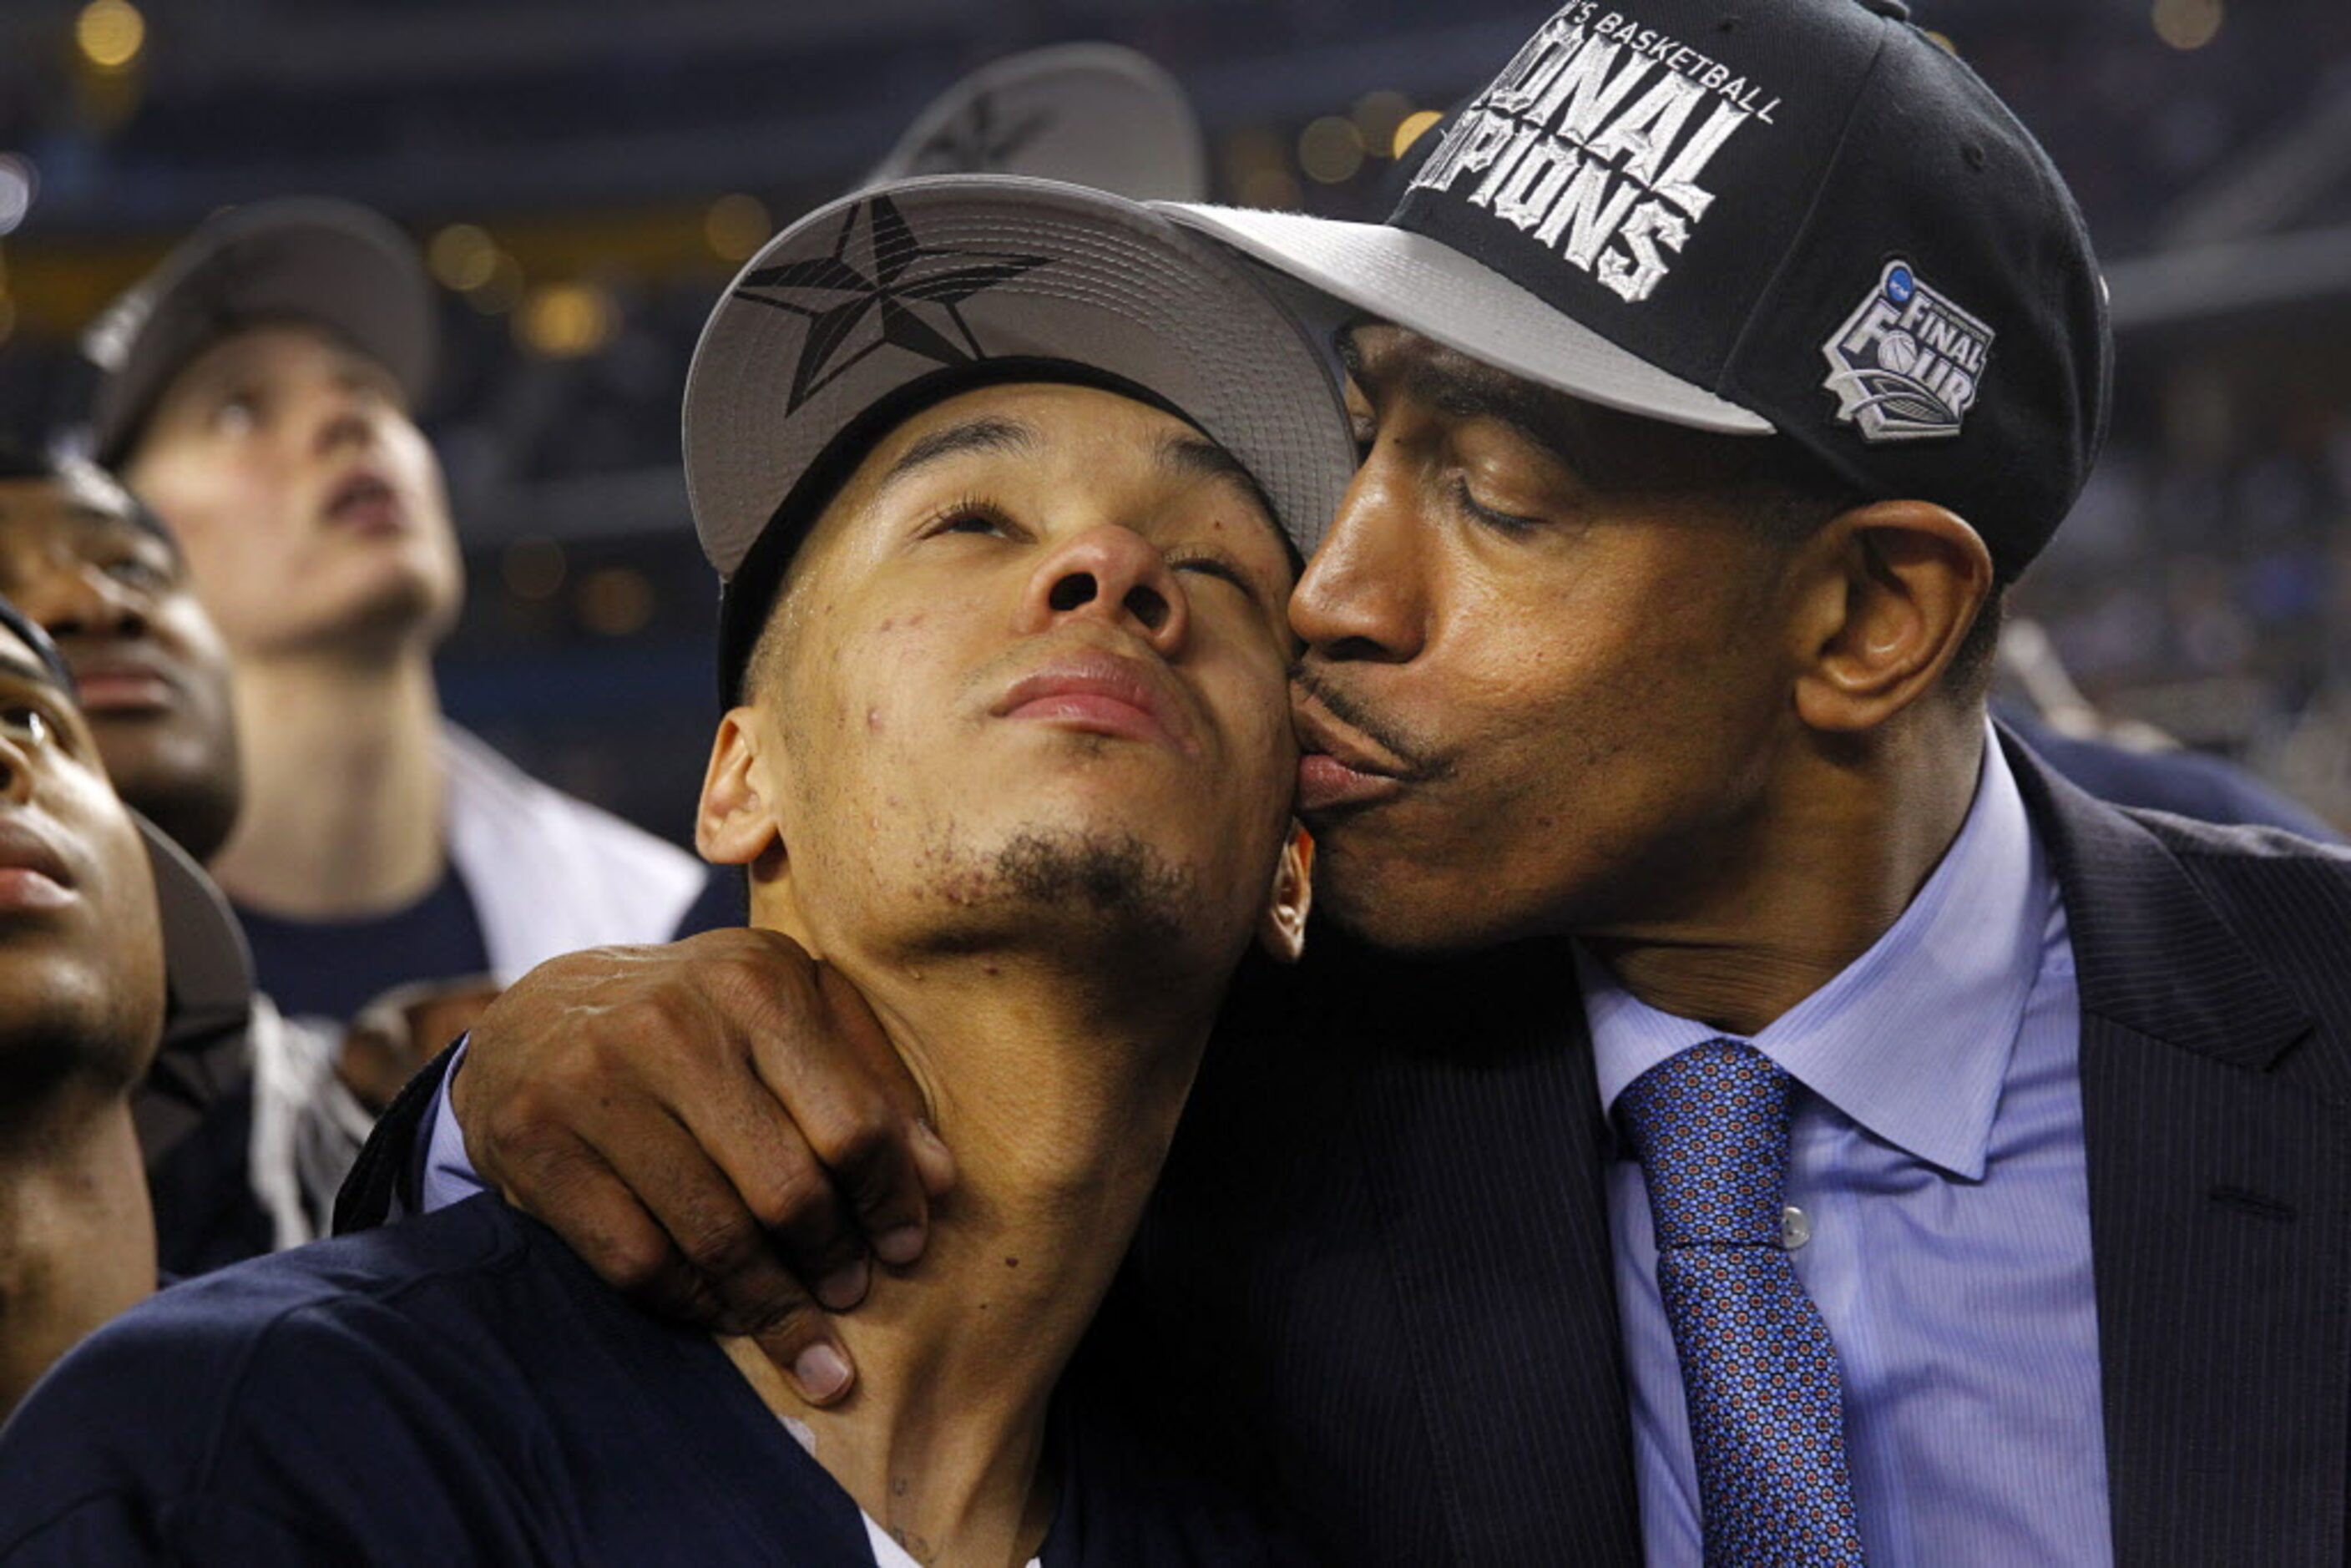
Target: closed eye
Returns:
[138, 573]
[1509, 522]
[1207, 563]
[969, 515]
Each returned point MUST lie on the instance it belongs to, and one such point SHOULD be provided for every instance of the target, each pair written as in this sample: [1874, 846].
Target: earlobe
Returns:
[1901, 582]
[735, 823]
[1282, 930]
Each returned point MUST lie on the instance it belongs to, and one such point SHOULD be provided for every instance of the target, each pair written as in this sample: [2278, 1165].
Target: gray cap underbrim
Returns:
[1431, 288]
[332, 263]
[976, 269]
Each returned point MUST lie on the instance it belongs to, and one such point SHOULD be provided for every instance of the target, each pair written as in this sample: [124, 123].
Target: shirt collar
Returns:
[1912, 1038]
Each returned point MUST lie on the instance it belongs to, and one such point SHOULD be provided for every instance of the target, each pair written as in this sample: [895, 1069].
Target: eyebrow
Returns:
[28, 671]
[1478, 393]
[1199, 457]
[986, 434]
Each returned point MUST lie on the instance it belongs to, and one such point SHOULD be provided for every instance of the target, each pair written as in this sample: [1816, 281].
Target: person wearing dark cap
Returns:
[257, 391]
[1780, 1121]
[1045, 541]
[110, 939]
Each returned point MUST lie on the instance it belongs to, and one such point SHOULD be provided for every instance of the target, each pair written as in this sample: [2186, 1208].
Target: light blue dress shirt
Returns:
[1936, 1154]
[449, 1175]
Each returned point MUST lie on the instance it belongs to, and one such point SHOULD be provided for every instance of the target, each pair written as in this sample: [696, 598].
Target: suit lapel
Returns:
[1500, 1259]
[2219, 1201]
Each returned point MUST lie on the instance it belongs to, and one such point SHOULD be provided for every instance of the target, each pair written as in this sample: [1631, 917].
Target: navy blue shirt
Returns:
[332, 969]
[459, 1389]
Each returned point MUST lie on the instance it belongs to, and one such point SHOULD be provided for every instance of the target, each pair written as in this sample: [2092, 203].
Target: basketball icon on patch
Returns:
[1908, 364]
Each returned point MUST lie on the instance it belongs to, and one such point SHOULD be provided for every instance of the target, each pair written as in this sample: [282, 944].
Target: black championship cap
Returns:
[207, 966]
[1805, 217]
[866, 310]
[329, 263]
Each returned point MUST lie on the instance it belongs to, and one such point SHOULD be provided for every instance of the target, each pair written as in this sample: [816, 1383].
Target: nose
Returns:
[1113, 575]
[82, 599]
[1364, 596]
[344, 418]
[16, 770]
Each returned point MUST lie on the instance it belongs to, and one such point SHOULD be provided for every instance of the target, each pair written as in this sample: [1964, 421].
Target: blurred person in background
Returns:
[1060, 565]
[257, 393]
[247, 1129]
[81, 1008]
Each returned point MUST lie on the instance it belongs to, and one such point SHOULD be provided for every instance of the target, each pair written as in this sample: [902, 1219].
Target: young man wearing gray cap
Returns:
[1807, 1131]
[259, 393]
[1032, 522]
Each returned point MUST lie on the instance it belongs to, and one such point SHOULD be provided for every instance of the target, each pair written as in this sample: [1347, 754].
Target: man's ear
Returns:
[1281, 929]
[736, 824]
[1894, 587]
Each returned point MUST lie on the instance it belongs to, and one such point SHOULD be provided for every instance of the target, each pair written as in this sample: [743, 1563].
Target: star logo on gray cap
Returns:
[907, 296]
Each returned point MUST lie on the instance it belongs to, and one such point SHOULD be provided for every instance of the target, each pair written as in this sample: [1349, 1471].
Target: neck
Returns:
[1059, 1097]
[343, 787]
[77, 1237]
[1828, 867]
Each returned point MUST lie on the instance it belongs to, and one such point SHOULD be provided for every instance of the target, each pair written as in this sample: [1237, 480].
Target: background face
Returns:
[152, 673]
[82, 953]
[1028, 685]
[309, 505]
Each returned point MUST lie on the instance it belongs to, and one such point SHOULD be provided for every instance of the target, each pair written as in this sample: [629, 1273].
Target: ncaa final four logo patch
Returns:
[1907, 363]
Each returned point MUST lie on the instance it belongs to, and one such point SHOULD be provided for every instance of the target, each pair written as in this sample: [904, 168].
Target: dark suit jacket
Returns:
[1376, 1280]
[1378, 1271]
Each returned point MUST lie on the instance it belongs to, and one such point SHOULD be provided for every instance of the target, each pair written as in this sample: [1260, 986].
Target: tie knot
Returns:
[1710, 1124]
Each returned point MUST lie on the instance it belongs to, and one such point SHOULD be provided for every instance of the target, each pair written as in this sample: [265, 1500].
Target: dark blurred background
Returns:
[585, 174]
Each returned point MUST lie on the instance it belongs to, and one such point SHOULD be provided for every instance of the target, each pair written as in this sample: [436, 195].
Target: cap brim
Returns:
[1428, 288]
[1091, 114]
[865, 298]
[330, 263]
[208, 968]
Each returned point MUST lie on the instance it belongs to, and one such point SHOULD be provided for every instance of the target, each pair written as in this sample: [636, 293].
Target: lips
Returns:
[122, 685]
[1098, 694]
[1338, 766]
[33, 874]
[364, 500]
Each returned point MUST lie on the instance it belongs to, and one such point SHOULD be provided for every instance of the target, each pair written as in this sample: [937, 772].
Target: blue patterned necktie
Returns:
[1766, 1399]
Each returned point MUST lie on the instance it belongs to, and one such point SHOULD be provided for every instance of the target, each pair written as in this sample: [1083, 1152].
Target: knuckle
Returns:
[793, 1321]
[638, 1263]
[861, 1137]
[720, 1245]
[788, 1195]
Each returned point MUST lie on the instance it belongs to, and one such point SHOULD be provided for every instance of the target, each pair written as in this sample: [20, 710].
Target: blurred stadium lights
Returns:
[615, 602]
[1256, 169]
[1412, 128]
[1376, 115]
[502, 291]
[1331, 150]
[109, 34]
[567, 320]
[533, 567]
[737, 225]
[462, 256]
[2188, 24]
[19, 184]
